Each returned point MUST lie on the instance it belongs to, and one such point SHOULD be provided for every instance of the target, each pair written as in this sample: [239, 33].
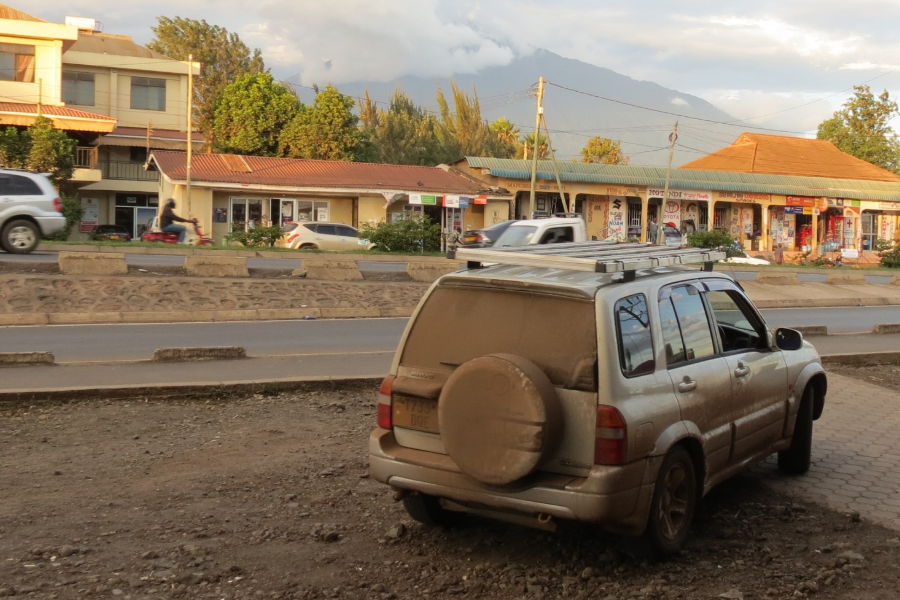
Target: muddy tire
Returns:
[797, 458]
[499, 418]
[19, 237]
[428, 510]
[671, 510]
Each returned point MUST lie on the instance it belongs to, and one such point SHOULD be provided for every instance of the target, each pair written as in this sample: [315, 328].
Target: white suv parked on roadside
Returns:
[30, 209]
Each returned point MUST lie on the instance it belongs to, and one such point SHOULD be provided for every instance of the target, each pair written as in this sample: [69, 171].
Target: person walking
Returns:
[779, 254]
[653, 230]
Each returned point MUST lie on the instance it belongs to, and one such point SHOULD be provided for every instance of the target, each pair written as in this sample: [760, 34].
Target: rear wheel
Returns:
[428, 510]
[672, 508]
[19, 237]
[797, 458]
[308, 247]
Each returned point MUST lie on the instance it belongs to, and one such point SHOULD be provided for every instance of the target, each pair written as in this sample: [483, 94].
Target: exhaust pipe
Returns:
[400, 494]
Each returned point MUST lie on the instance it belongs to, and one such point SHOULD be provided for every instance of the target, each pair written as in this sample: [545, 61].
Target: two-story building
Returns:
[117, 98]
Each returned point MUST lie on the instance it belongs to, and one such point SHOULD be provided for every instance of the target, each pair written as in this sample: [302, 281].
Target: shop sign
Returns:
[415, 198]
[617, 191]
[795, 210]
[800, 201]
[526, 185]
[745, 197]
[672, 213]
[849, 253]
[851, 213]
[616, 224]
[680, 194]
[480, 199]
[91, 216]
[888, 205]
[887, 227]
[451, 201]
[842, 202]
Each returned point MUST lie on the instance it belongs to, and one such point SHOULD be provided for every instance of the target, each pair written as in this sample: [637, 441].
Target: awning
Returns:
[14, 113]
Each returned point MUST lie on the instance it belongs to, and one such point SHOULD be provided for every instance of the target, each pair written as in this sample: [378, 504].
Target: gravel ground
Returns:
[887, 376]
[269, 497]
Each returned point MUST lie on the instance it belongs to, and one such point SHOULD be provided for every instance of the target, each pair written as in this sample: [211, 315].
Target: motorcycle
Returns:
[191, 238]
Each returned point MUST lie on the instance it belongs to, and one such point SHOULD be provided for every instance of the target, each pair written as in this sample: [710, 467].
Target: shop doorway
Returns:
[135, 212]
[869, 230]
[802, 232]
[282, 212]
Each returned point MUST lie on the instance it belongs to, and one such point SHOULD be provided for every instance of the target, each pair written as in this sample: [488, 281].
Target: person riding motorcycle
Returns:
[167, 221]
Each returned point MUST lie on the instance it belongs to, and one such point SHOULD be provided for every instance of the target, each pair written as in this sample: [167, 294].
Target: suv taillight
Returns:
[384, 402]
[292, 238]
[612, 437]
[57, 205]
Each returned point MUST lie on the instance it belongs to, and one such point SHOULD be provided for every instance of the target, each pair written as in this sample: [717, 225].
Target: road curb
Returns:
[887, 328]
[26, 358]
[811, 329]
[208, 389]
[862, 360]
[207, 353]
[203, 316]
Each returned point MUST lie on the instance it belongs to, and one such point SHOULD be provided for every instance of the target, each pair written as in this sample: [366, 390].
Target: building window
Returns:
[148, 94]
[17, 63]
[78, 88]
[720, 218]
[137, 154]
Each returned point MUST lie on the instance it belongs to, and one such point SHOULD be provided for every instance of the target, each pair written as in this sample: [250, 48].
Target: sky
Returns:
[786, 64]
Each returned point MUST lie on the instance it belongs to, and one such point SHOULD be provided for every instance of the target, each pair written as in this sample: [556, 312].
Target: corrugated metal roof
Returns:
[114, 45]
[8, 12]
[627, 175]
[23, 114]
[298, 173]
[784, 155]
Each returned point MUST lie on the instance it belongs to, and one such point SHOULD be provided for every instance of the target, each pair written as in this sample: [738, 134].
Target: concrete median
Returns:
[887, 328]
[429, 272]
[777, 278]
[330, 270]
[80, 263]
[216, 266]
[812, 329]
[26, 358]
[209, 353]
[846, 278]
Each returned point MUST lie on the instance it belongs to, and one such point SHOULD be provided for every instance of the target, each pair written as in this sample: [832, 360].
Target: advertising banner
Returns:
[91, 217]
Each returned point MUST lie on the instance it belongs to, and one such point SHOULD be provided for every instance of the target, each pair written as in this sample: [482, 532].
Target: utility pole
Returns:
[190, 126]
[569, 206]
[660, 228]
[537, 133]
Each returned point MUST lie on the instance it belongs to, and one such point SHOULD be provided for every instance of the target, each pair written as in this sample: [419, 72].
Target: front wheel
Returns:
[797, 458]
[672, 507]
[19, 237]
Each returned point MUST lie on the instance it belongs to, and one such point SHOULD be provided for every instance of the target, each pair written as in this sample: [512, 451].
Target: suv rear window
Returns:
[457, 324]
[16, 185]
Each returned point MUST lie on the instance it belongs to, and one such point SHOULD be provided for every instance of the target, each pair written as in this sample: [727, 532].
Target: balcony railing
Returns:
[121, 169]
[86, 157]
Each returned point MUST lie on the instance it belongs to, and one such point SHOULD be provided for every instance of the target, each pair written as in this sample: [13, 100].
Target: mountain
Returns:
[574, 118]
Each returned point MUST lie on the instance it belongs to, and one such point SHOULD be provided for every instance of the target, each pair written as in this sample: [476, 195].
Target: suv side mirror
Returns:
[788, 339]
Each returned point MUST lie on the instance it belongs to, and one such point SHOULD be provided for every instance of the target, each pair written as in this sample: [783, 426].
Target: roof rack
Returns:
[596, 257]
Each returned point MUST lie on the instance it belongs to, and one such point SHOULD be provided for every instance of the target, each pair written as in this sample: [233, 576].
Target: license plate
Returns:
[415, 413]
[470, 238]
[114, 237]
[363, 242]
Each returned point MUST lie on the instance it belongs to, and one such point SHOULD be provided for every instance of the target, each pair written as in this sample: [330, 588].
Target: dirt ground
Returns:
[268, 497]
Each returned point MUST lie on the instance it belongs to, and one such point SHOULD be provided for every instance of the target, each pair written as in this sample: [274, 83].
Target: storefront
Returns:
[135, 212]
[686, 210]
[878, 221]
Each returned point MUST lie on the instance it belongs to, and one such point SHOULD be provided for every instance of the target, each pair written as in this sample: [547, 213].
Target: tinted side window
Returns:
[738, 326]
[635, 342]
[347, 232]
[310, 226]
[17, 185]
[693, 322]
[558, 235]
[325, 230]
[671, 332]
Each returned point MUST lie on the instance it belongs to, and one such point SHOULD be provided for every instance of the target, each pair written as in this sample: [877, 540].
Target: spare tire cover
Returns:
[499, 417]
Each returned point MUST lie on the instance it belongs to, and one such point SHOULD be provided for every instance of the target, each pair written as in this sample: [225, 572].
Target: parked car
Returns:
[484, 238]
[612, 386]
[553, 230]
[324, 236]
[672, 236]
[110, 232]
[30, 209]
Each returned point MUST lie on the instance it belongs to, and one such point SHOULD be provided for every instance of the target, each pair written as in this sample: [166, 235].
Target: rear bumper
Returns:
[616, 497]
[51, 225]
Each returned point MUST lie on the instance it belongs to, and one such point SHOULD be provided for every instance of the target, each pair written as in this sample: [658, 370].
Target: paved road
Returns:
[271, 338]
[163, 260]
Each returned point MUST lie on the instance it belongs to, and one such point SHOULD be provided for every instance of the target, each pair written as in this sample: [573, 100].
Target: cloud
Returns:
[680, 102]
[793, 112]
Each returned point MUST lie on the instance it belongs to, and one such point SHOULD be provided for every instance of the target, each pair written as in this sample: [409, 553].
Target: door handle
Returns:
[688, 385]
[741, 370]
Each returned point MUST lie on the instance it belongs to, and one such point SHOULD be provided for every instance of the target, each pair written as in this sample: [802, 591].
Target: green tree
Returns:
[527, 148]
[403, 134]
[223, 57]
[862, 128]
[604, 151]
[463, 132]
[327, 130]
[251, 114]
[507, 138]
[40, 147]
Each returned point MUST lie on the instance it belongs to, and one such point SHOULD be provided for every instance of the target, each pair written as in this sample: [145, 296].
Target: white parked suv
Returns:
[30, 209]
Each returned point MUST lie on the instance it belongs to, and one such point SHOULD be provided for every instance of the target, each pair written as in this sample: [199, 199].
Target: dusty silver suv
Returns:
[30, 209]
[604, 385]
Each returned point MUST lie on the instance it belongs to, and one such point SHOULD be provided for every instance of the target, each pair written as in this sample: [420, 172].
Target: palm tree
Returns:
[542, 146]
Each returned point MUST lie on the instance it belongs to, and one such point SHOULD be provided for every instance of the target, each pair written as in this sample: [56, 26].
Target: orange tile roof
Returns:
[783, 155]
[63, 117]
[299, 173]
